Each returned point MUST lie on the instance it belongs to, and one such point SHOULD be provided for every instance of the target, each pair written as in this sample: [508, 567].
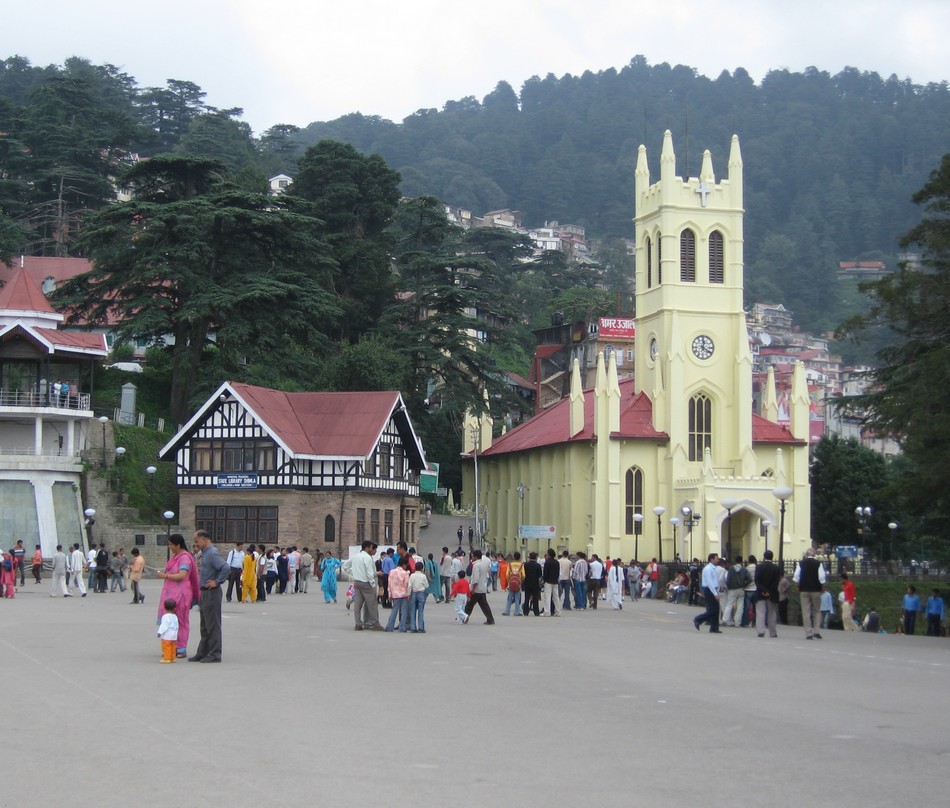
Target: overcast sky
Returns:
[297, 61]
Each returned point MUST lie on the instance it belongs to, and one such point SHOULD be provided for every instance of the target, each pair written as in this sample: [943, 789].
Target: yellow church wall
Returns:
[580, 487]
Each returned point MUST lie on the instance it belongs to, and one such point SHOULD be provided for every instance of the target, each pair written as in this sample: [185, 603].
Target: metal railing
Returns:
[30, 398]
[31, 451]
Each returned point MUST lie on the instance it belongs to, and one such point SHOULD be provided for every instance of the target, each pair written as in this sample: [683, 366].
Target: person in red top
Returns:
[37, 563]
[847, 603]
[460, 592]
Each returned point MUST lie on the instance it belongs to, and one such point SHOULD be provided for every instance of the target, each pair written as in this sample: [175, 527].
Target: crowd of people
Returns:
[743, 593]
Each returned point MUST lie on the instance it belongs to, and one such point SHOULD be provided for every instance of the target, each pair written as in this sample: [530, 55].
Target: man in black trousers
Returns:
[213, 574]
[710, 595]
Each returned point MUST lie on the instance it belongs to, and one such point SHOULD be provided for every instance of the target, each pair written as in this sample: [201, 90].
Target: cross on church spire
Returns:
[704, 191]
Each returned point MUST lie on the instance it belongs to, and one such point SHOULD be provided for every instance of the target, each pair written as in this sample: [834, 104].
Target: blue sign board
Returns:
[846, 551]
[237, 481]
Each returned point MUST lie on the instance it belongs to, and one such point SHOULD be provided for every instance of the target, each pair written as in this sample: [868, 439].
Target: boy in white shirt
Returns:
[168, 631]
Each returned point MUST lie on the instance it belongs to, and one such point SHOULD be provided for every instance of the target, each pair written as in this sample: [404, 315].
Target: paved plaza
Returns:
[596, 707]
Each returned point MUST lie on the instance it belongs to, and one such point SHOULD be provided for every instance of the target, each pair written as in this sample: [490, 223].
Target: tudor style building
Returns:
[675, 461]
[324, 470]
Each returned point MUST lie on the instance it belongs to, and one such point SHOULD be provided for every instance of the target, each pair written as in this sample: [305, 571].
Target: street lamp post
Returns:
[521, 490]
[864, 518]
[103, 419]
[675, 521]
[90, 514]
[782, 494]
[659, 510]
[168, 516]
[637, 530]
[892, 526]
[765, 531]
[119, 453]
[729, 505]
[150, 471]
[690, 520]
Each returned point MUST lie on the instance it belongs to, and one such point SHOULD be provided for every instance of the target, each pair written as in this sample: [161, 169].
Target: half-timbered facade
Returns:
[318, 469]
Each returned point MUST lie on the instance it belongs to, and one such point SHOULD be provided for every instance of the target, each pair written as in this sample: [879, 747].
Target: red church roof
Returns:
[766, 431]
[552, 427]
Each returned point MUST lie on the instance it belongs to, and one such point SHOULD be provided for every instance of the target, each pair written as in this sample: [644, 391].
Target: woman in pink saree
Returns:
[181, 585]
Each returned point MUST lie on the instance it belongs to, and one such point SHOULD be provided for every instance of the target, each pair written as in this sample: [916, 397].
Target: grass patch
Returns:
[886, 597]
[151, 498]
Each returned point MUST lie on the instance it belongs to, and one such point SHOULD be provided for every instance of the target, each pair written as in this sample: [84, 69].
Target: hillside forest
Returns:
[342, 276]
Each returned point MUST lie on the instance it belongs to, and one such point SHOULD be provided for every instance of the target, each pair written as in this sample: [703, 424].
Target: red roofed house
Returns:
[45, 412]
[673, 461]
[324, 470]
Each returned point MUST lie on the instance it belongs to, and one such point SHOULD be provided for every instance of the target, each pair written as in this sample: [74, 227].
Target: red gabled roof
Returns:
[326, 424]
[552, 426]
[40, 268]
[766, 431]
[519, 381]
[317, 425]
[21, 293]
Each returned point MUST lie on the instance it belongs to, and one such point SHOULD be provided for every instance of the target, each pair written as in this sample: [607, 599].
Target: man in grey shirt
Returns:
[365, 603]
[481, 571]
[213, 573]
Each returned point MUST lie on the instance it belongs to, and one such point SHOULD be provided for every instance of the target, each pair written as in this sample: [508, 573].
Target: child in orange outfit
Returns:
[168, 631]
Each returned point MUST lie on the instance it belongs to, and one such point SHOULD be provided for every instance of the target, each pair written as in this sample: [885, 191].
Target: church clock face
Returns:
[703, 347]
[653, 349]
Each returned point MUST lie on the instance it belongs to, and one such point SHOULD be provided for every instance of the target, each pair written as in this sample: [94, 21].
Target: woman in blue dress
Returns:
[435, 582]
[329, 567]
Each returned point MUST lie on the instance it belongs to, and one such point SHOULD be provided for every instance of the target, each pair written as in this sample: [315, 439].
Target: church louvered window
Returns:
[688, 256]
[649, 263]
[716, 258]
[700, 426]
[634, 501]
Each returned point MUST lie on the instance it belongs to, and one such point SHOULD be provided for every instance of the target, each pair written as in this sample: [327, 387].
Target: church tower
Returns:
[692, 350]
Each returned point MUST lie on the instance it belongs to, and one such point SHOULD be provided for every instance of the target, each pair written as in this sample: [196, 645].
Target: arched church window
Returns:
[716, 258]
[700, 425]
[634, 501]
[649, 263]
[329, 530]
[659, 259]
[688, 256]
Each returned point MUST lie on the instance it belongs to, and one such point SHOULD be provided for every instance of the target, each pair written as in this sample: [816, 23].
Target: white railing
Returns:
[30, 451]
[27, 398]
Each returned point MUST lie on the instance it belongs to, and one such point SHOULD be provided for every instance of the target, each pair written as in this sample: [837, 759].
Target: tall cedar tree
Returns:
[449, 308]
[354, 197]
[191, 256]
[906, 397]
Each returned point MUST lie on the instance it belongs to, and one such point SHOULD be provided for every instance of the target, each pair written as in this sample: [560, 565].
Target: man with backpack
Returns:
[515, 579]
[737, 578]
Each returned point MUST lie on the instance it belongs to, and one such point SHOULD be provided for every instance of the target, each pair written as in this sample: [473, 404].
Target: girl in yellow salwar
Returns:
[249, 578]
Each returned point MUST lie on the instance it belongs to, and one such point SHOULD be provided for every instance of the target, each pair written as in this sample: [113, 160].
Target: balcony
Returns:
[77, 402]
